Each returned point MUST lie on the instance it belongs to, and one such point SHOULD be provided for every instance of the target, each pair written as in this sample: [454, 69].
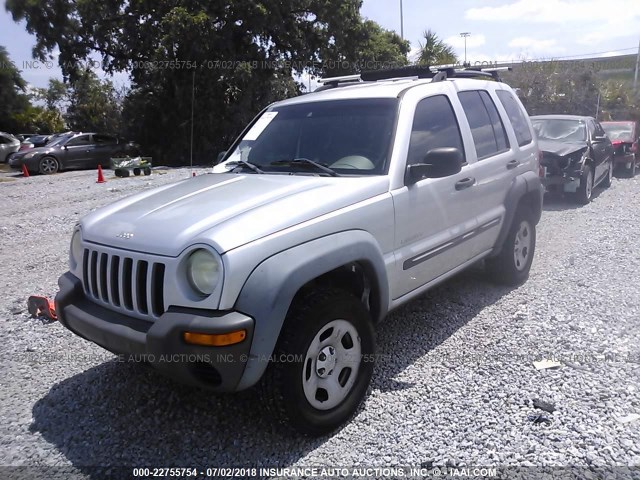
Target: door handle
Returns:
[465, 183]
[512, 164]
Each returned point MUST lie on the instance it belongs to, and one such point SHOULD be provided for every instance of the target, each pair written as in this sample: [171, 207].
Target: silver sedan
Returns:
[8, 145]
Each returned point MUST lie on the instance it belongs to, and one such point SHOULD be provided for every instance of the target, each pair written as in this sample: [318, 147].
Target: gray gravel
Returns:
[454, 384]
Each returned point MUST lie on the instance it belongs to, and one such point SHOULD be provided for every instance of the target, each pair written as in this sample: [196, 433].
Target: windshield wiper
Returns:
[306, 161]
[249, 165]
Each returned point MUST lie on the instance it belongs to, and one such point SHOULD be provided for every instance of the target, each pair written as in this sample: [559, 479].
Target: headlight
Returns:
[76, 250]
[203, 272]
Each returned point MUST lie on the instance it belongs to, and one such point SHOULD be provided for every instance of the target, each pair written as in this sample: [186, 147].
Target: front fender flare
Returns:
[268, 292]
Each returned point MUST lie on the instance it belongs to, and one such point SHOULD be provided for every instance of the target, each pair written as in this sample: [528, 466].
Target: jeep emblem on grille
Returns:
[125, 235]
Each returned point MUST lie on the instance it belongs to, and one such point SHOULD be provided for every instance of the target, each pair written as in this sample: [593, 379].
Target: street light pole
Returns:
[465, 35]
[635, 76]
[401, 22]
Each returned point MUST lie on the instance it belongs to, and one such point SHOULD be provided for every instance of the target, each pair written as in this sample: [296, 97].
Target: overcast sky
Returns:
[500, 29]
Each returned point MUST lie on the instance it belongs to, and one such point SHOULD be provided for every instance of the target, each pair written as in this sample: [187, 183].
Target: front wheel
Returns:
[512, 265]
[585, 190]
[323, 362]
[631, 171]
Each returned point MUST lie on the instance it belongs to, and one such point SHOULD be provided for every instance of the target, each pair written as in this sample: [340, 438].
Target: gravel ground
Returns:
[454, 385]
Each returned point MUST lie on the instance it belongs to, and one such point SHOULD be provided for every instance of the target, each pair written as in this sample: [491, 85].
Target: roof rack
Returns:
[437, 73]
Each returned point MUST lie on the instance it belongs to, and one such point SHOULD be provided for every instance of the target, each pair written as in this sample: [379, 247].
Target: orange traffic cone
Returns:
[100, 176]
[25, 172]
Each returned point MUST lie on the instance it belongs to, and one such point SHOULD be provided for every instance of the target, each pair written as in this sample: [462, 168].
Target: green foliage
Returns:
[38, 120]
[556, 87]
[435, 51]
[93, 104]
[618, 101]
[13, 98]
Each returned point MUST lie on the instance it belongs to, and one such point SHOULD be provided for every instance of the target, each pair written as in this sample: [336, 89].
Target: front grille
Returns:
[123, 282]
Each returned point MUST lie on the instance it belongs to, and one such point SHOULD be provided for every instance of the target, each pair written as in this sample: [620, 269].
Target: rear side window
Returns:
[434, 126]
[486, 126]
[517, 117]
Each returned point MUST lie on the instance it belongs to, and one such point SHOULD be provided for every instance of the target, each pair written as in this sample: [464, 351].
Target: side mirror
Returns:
[599, 138]
[221, 156]
[438, 163]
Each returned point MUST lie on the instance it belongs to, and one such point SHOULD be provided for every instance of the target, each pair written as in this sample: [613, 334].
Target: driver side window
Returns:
[434, 126]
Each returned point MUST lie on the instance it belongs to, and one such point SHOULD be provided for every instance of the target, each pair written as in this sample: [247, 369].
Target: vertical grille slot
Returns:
[127, 271]
[93, 273]
[85, 270]
[141, 286]
[157, 289]
[102, 275]
[114, 280]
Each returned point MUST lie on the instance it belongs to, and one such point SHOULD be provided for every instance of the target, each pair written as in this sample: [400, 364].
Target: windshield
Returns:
[351, 137]
[619, 131]
[562, 130]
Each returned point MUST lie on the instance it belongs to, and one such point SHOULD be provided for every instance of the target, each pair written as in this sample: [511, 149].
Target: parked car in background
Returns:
[577, 155]
[624, 138]
[8, 145]
[73, 151]
[34, 141]
[24, 136]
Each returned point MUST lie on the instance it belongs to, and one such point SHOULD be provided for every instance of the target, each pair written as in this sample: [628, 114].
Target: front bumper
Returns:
[160, 342]
[567, 181]
[15, 162]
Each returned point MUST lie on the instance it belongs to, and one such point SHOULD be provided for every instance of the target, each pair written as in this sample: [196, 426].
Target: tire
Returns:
[631, 172]
[606, 183]
[48, 166]
[293, 390]
[147, 171]
[511, 267]
[125, 172]
[136, 171]
[585, 190]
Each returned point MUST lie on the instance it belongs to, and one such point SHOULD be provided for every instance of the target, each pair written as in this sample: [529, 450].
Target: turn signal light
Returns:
[214, 339]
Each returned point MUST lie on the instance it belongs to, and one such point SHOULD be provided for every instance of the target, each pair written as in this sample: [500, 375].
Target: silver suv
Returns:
[334, 208]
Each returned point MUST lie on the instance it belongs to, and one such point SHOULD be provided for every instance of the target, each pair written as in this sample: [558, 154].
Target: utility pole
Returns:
[635, 77]
[401, 22]
[193, 102]
[465, 35]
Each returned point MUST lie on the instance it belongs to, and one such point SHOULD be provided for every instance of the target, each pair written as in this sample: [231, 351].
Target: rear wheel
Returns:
[48, 166]
[512, 265]
[585, 190]
[631, 171]
[322, 364]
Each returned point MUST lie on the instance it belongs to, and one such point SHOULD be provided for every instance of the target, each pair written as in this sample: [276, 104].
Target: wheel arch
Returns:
[526, 191]
[337, 259]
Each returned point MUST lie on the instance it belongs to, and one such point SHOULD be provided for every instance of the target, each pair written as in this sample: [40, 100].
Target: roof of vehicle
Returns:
[619, 122]
[561, 117]
[392, 82]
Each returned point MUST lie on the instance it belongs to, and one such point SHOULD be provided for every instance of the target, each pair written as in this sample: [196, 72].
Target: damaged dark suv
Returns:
[577, 155]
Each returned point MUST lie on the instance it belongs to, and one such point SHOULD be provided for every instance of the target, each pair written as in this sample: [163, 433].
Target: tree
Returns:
[554, 87]
[435, 51]
[93, 104]
[13, 97]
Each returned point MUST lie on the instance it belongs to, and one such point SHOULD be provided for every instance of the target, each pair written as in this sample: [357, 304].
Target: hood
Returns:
[36, 151]
[561, 149]
[223, 210]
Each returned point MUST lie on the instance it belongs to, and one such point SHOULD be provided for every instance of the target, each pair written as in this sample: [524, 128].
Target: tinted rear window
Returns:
[517, 117]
